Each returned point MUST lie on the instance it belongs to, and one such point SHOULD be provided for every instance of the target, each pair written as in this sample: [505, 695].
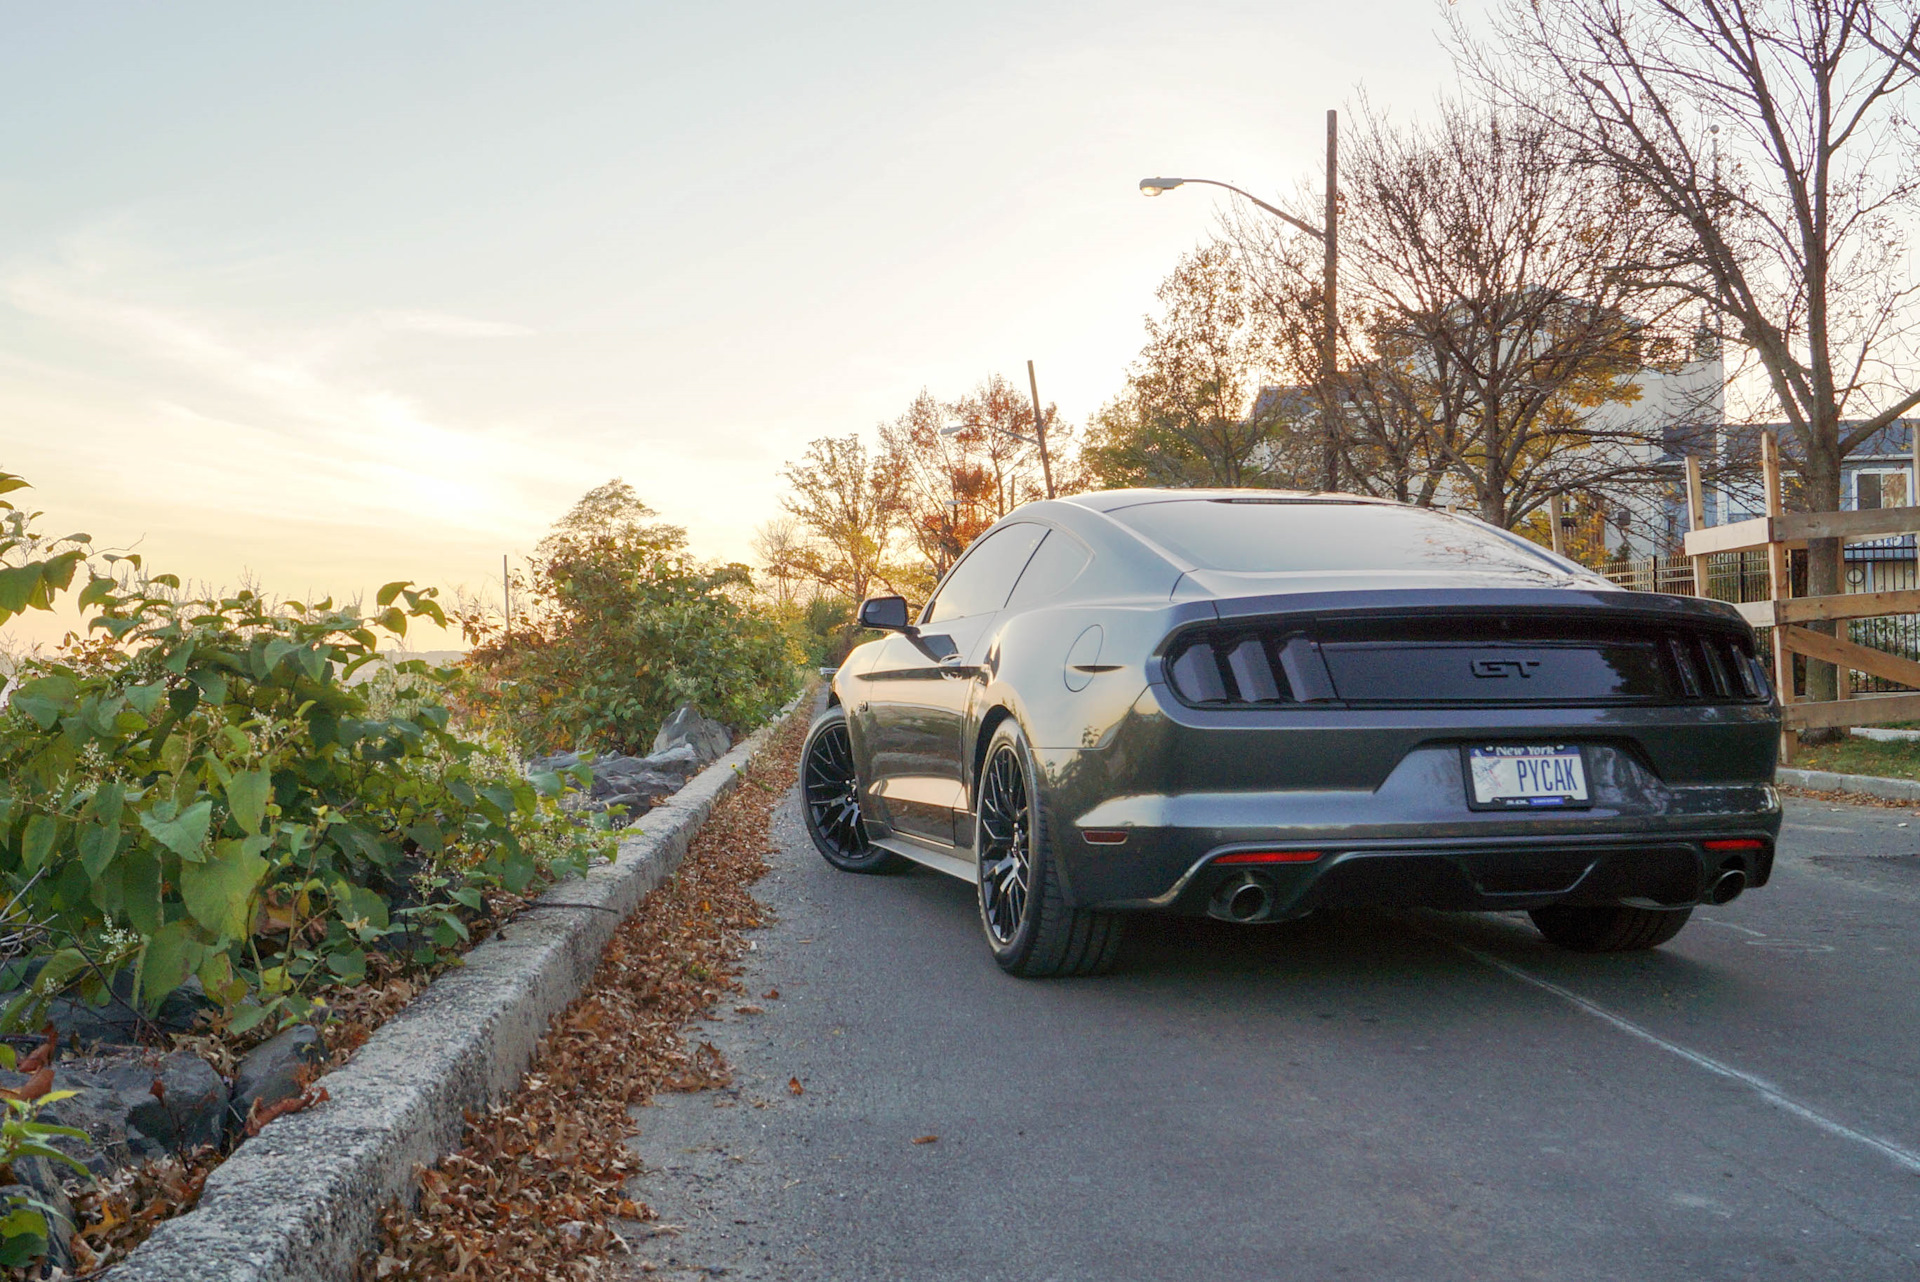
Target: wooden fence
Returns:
[1775, 535]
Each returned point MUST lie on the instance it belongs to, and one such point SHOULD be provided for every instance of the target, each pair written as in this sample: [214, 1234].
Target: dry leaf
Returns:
[928, 1139]
[749, 1010]
[771, 995]
[539, 1183]
[258, 1117]
[43, 1053]
[33, 1088]
[793, 1085]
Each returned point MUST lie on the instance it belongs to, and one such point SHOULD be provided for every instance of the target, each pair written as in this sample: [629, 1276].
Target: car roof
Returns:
[1114, 500]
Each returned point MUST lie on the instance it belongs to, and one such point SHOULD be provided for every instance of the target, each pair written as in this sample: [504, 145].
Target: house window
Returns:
[1879, 489]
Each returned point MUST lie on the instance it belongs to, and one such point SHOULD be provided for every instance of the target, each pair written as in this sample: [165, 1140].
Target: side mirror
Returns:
[887, 613]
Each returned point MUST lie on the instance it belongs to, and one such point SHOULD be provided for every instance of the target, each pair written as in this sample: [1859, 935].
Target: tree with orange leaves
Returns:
[952, 487]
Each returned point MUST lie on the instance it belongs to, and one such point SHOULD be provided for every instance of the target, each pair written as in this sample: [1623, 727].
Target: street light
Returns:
[1038, 439]
[1329, 238]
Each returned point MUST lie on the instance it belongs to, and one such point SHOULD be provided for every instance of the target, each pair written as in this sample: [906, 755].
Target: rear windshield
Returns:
[1261, 536]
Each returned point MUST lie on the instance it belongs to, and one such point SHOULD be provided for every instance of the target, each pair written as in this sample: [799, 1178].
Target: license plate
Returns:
[1526, 777]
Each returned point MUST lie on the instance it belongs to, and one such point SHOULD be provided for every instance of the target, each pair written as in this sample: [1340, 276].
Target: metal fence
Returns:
[1742, 576]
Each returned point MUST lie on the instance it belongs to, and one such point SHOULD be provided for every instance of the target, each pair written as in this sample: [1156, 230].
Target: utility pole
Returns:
[506, 597]
[1040, 429]
[1330, 320]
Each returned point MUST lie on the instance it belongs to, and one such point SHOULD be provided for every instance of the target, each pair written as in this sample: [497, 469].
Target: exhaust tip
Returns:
[1248, 897]
[1727, 887]
[1248, 902]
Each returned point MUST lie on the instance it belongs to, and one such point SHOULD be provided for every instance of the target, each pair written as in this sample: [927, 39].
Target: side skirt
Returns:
[934, 857]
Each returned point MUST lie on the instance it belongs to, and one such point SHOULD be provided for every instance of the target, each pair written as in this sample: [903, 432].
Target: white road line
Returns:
[1902, 1157]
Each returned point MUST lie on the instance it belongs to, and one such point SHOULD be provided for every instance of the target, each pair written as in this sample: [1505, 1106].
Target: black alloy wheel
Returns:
[1005, 828]
[1023, 903]
[830, 795]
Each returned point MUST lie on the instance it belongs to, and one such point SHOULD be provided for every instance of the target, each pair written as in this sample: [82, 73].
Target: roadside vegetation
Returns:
[1857, 756]
[622, 626]
[239, 808]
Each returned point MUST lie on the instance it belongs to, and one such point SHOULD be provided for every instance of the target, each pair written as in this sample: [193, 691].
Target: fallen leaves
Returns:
[42, 1054]
[794, 1087]
[928, 1139]
[258, 1117]
[536, 1189]
[771, 995]
[33, 1088]
[120, 1211]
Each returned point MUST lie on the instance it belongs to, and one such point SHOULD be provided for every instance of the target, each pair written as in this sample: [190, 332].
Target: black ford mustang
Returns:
[1249, 704]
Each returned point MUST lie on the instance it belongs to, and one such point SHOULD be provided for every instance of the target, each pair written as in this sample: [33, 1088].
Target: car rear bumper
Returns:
[1486, 875]
[1415, 842]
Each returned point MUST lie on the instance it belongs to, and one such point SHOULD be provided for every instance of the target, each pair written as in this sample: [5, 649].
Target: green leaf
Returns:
[213, 685]
[218, 892]
[171, 955]
[185, 834]
[23, 1237]
[18, 585]
[278, 649]
[99, 589]
[363, 904]
[469, 896]
[107, 801]
[36, 843]
[349, 964]
[386, 595]
[140, 883]
[146, 699]
[247, 794]
[97, 843]
[245, 1017]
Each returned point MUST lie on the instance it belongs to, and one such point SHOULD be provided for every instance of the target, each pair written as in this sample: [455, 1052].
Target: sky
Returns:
[325, 296]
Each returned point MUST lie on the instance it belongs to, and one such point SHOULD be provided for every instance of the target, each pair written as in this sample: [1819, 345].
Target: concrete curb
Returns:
[299, 1202]
[1868, 785]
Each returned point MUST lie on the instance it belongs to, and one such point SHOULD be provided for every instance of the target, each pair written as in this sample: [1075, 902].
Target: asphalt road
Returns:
[1370, 1097]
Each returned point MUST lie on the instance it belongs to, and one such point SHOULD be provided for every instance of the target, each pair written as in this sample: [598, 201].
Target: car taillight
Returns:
[1269, 857]
[1735, 843]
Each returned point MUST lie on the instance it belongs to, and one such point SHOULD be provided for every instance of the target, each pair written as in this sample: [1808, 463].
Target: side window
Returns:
[980, 583]
[1055, 565]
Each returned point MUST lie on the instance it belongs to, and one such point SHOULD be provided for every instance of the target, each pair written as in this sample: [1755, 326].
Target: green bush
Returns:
[202, 790]
[622, 628]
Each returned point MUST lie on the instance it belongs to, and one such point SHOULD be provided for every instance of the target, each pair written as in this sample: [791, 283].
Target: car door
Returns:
[921, 687]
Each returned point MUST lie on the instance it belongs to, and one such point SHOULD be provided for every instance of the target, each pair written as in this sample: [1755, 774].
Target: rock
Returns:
[189, 1108]
[635, 803]
[709, 739]
[680, 762]
[116, 1022]
[270, 1072]
[51, 1201]
[558, 761]
[101, 1112]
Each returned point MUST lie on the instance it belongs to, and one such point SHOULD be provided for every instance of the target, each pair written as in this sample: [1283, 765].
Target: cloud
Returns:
[286, 422]
[450, 326]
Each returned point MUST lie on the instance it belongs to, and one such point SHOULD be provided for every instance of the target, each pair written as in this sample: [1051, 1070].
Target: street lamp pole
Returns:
[1329, 238]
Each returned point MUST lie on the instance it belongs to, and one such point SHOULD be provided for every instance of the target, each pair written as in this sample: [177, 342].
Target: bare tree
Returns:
[1490, 341]
[848, 503]
[781, 549]
[1191, 412]
[1768, 142]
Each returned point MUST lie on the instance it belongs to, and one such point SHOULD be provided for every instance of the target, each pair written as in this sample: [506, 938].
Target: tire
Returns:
[830, 799]
[1023, 909]
[1609, 930]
